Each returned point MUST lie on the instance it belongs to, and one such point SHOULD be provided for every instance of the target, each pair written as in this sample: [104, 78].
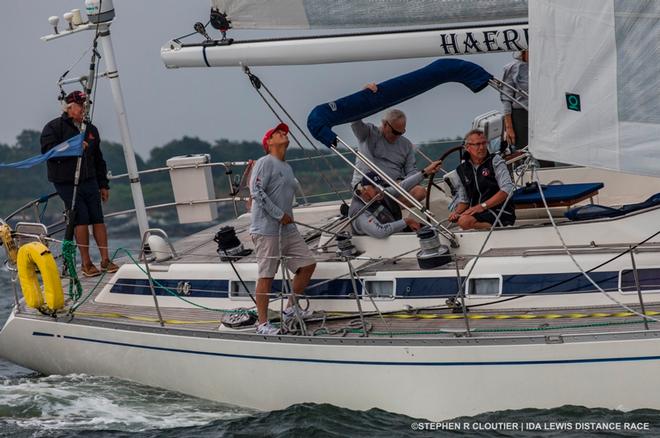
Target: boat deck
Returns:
[439, 322]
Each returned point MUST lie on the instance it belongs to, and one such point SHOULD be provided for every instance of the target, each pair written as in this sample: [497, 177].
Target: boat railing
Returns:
[35, 203]
[226, 164]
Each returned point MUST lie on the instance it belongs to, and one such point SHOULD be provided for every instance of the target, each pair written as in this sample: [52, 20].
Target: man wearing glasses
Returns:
[484, 188]
[387, 147]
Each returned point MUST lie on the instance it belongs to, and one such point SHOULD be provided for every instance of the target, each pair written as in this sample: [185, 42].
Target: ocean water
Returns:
[80, 405]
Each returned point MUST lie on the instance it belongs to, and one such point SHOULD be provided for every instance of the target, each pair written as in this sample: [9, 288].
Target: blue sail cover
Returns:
[391, 92]
[73, 147]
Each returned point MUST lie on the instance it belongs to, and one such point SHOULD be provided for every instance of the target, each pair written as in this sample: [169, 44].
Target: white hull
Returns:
[430, 379]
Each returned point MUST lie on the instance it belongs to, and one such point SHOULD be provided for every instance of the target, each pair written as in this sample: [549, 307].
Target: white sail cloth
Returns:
[315, 14]
[595, 83]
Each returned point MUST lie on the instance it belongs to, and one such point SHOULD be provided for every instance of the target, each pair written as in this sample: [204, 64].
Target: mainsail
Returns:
[595, 83]
[322, 14]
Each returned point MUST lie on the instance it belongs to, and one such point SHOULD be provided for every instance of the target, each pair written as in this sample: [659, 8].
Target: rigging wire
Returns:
[257, 84]
[577, 264]
[492, 228]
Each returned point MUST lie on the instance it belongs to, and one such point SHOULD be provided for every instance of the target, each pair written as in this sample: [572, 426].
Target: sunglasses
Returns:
[481, 143]
[394, 131]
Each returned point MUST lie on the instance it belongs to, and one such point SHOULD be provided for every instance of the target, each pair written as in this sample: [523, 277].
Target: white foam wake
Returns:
[99, 403]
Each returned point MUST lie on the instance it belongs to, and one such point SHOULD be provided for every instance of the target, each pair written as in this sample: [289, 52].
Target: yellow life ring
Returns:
[8, 241]
[35, 256]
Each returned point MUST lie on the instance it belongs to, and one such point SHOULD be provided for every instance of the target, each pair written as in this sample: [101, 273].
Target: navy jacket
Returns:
[481, 184]
[62, 170]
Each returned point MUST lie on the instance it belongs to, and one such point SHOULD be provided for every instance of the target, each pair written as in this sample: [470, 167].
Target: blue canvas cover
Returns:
[594, 211]
[73, 147]
[391, 92]
[555, 193]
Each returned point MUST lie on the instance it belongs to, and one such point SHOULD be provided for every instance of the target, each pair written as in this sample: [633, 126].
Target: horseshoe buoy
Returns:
[35, 257]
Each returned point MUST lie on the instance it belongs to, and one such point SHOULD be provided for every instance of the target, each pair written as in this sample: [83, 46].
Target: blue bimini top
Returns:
[391, 92]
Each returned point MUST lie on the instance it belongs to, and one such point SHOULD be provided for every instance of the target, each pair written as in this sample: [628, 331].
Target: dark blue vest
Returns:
[480, 183]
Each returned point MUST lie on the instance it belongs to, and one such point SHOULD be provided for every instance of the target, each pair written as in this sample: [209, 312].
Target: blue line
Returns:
[206, 61]
[358, 362]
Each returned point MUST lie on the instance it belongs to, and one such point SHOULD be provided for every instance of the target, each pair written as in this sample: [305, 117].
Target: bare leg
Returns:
[417, 192]
[482, 226]
[101, 237]
[82, 238]
[301, 280]
[263, 289]
[470, 223]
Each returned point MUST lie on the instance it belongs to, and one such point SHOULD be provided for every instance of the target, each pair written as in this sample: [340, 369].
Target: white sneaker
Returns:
[267, 328]
[290, 313]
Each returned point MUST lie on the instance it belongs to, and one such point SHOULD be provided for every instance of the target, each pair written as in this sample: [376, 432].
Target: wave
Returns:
[80, 402]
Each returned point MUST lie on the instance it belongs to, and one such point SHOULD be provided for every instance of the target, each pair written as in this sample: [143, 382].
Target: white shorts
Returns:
[267, 251]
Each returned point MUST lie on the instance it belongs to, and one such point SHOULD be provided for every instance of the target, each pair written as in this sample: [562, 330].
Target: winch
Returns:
[432, 253]
[229, 247]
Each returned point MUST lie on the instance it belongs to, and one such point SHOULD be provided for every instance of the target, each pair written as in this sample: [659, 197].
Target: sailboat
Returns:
[542, 314]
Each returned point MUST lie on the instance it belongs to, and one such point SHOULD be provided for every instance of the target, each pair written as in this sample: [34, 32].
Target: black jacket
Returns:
[62, 170]
[481, 184]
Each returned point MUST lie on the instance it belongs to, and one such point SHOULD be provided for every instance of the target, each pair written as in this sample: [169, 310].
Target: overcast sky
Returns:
[212, 103]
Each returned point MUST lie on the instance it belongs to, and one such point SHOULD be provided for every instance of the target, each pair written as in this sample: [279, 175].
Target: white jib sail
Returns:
[595, 83]
[317, 14]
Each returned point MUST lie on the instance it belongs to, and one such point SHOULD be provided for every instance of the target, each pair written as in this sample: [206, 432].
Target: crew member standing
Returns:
[516, 74]
[93, 182]
[272, 188]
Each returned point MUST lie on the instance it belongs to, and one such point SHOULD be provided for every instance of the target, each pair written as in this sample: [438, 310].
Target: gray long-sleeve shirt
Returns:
[273, 188]
[396, 159]
[501, 175]
[367, 223]
[515, 74]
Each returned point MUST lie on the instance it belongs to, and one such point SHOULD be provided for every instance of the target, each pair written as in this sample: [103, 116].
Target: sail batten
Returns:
[321, 14]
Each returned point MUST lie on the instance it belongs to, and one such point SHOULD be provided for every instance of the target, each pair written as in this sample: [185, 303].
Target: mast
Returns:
[101, 14]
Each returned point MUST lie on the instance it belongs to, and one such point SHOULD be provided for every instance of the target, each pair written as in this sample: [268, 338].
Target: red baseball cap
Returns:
[76, 97]
[269, 134]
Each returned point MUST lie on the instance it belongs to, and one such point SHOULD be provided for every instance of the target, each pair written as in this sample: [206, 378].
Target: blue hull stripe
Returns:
[359, 362]
[415, 287]
[406, 287]
[218, 288]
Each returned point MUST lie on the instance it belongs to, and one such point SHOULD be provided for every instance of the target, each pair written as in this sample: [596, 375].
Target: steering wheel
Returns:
[432, 184]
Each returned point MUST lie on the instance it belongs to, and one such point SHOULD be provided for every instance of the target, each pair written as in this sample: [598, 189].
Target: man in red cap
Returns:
[93, 182]
[273, 189]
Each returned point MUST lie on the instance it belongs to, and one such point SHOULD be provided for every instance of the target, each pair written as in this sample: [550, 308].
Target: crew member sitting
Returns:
[484, 186]
[383, 217]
